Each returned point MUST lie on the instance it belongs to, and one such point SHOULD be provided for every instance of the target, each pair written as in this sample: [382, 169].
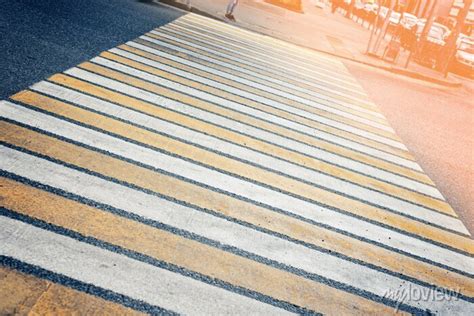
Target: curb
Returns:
[392, 69]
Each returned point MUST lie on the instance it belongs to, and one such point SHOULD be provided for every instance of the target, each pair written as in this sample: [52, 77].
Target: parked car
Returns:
[437, 33]
[408, 20]
[393, 21]
[371, 7]
[394, 16]
[462, 37]
[463, 62]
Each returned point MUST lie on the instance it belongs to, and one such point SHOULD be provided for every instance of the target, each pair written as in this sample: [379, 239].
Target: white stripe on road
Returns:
[316, 62]
[216, 144]
[219, 101]
[40, 170]
[305, 129]
[252, 131]
[123, 275]
[277, 81]
[303, 55]
[288, 253]
[277, 64]
[319, 119]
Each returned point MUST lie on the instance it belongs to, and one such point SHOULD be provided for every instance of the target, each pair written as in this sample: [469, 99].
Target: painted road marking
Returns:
[339, 116]
[242, 105]
[200, 107]
[165, 60]
[185, 172]
[291, 52]
[203, 113]
[325, 87]
[297, 112]
[251, 192]
[23, 293]
[343, 78]
[140, 280]
[152, 45]
[176, 215]
[231, 150]
[228, 109]
[140, 237]
[220, 37]
[354, 110]
[321, 65]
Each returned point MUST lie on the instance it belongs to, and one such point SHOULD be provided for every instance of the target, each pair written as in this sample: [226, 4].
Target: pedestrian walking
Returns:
[230, 9]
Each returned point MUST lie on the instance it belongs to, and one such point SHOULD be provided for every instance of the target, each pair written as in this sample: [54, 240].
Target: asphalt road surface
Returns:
[198, 168]
[436, 124]
[40, 38]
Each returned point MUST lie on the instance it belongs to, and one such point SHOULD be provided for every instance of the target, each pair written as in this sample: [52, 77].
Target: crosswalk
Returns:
[205, 169]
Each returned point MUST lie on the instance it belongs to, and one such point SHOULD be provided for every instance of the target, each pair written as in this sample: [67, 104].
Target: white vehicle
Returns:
[371, 7]
[463, 62]
[437, 34]
[394, 16]
[383, 12]
[463, 38]
[408, 20]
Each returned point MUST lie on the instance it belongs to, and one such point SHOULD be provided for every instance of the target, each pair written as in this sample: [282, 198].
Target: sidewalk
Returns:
[329, 33]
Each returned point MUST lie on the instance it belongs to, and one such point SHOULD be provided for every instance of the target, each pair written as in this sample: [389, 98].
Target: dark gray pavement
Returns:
[437, 126]
[42, 37]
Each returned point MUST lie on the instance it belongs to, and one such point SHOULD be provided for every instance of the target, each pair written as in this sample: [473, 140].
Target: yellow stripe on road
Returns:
[335, 91]
[235, 167]
[245, 141]
[186, 253]
[276, 46]
[326, 128]
[332, 170]
[220, 203]
[332, 116]
[297, 105]
[237, 116]
[22, 294]
[316, 62]
[241, 139]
